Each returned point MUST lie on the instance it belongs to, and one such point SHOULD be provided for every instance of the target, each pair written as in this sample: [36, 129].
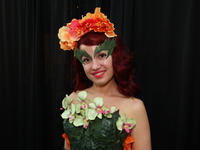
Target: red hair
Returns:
[123, 65]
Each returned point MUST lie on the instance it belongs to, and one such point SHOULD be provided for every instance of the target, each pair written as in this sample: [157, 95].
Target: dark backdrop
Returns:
[36, 74]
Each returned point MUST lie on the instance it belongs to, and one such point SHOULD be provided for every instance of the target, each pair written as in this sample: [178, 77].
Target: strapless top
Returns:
[92, 126]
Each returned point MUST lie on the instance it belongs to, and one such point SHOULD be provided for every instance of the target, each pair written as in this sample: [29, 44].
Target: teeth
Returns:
[98, 73]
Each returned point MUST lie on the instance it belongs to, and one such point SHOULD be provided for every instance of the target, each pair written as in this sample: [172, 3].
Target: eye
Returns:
[86, 60]
[103, 55]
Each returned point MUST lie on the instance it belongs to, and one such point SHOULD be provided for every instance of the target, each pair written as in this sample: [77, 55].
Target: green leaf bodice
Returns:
[101, 134]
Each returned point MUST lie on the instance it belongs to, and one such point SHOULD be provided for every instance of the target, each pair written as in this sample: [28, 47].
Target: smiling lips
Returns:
[98, 74]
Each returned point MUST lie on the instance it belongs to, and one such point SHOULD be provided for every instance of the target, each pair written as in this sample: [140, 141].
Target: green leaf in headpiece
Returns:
[80, 53]
[107, 45]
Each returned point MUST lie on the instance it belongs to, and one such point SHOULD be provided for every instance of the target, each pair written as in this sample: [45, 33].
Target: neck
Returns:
[105, 90]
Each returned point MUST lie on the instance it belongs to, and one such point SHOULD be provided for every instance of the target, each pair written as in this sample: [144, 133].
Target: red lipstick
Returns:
[98, 74]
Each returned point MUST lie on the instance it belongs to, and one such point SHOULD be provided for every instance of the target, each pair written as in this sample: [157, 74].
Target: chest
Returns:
[122, 104]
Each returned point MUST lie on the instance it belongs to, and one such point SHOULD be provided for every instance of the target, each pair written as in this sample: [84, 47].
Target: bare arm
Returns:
[67, 142]
[141, 132]
[66, 146]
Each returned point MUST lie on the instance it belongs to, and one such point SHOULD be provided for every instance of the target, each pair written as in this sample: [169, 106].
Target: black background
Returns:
[36, 74]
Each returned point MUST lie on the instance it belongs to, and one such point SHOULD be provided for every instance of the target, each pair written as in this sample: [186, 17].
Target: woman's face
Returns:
[97, 65]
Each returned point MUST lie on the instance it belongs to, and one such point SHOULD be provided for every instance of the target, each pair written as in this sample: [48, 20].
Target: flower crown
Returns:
[73, 31]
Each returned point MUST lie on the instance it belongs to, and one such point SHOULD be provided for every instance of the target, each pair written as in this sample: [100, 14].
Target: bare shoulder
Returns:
[134, 104]
[141, 132]
[137, 104]
[133, 107]
[74, 96]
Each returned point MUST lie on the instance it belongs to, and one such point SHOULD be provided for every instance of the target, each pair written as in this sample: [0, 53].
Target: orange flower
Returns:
[67, 45]
[103, 24]
[128, 142]
[73, 31]
[64, 135]
[87, 25]
[74, 26]
[63, 34]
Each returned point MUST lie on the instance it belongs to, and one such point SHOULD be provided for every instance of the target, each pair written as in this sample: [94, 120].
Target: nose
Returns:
[95, 65]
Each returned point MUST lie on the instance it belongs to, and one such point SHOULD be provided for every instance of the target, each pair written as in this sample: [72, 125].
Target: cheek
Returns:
[86, 68]
[111, 65]
[108, 62]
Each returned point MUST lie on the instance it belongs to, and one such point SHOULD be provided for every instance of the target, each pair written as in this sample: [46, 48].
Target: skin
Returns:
[105, 86]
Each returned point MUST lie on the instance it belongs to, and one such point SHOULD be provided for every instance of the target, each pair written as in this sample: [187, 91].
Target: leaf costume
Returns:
[102, 133]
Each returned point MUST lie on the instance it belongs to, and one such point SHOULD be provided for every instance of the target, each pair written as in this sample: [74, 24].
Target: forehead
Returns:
[88, 47]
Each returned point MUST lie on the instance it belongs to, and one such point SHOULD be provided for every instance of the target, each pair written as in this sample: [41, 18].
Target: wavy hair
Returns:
[123, 66]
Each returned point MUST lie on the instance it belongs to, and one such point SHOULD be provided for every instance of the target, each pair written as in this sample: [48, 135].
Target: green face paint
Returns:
[107, 45]
[81, 53]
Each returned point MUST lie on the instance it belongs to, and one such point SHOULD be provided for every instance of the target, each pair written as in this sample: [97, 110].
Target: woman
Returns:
[103, 111]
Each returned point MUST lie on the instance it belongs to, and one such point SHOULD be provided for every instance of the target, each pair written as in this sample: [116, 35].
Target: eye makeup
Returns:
[108, 46]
